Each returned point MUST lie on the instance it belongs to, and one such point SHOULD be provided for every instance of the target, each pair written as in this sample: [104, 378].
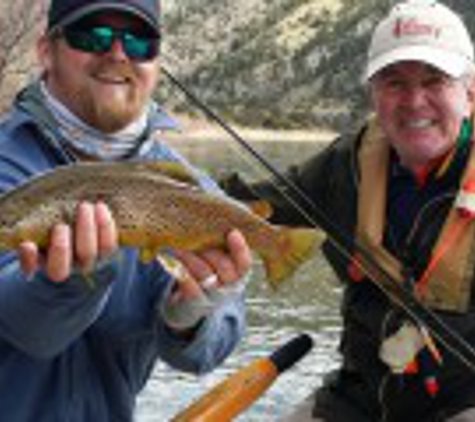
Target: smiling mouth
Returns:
[113, 79]
[419, 124]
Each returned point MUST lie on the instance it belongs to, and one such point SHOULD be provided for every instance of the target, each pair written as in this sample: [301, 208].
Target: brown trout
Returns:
[155, 205]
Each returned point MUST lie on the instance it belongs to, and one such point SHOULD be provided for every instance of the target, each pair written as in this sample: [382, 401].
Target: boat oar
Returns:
[242, 388]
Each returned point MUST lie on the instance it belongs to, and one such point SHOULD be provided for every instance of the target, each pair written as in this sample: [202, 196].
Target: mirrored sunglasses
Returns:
[100, 39]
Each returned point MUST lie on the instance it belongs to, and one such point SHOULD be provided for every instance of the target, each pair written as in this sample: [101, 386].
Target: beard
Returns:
[112, 115]
[116, 105]
[108, 95]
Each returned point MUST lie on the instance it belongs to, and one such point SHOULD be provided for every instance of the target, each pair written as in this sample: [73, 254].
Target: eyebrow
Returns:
[427, 70]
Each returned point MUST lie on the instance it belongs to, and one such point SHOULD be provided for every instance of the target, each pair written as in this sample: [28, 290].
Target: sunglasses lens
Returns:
[93, 40]
[139, 48]
[100, 39]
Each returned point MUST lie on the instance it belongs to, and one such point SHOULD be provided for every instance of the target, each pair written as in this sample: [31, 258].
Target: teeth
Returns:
[420, 123]
[112, 79]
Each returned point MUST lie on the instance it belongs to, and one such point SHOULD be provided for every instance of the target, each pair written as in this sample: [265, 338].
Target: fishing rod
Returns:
[394, 289]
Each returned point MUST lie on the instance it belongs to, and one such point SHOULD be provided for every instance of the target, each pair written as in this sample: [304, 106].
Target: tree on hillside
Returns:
[20, 21]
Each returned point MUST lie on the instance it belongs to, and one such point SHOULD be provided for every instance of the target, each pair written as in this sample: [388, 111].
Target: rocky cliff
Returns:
[276, 63]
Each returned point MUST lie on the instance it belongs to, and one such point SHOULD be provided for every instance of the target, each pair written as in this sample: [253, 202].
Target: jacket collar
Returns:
[30, 104]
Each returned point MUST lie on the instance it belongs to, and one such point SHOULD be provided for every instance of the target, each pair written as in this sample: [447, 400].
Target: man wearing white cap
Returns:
[404, 188]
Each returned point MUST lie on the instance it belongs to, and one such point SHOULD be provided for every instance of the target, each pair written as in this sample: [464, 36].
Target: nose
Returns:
[414, 95]
[117, 51]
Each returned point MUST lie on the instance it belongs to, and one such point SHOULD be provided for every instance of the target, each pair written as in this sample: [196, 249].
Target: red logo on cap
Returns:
[413, 28]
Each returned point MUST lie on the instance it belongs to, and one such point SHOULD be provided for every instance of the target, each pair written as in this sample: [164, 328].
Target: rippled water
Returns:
[308, 303]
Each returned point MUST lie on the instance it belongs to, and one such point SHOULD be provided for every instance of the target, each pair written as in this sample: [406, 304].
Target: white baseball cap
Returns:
[424, 31]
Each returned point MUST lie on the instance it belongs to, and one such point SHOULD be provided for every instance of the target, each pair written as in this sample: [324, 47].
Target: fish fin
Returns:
[90, 280]
[296, 245]
[88, 276]
[171, 265]
[173, 170]
[147, 255]
[262, 208]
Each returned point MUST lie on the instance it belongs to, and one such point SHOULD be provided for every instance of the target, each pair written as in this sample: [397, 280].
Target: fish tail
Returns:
[294, 247]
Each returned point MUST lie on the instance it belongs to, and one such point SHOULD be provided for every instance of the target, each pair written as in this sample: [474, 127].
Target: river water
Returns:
[308, 303]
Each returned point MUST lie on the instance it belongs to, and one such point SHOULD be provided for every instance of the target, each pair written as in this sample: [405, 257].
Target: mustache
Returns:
[114, 69]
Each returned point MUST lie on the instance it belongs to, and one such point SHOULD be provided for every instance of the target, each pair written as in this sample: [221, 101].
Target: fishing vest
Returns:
[448, 281]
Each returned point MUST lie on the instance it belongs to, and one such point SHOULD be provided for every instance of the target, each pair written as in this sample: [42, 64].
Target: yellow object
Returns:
[156, 206]
[235, 394]
[232, 396]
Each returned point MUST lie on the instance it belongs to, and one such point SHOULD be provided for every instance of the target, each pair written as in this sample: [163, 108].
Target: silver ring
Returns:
[209, 281]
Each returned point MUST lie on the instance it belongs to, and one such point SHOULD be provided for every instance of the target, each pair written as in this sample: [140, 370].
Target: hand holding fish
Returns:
[156, 206]
[205, 279]
[213, 268]
[93, 237]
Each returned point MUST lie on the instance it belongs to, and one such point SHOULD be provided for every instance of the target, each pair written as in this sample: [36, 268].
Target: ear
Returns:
[471, 90]
[43, 52]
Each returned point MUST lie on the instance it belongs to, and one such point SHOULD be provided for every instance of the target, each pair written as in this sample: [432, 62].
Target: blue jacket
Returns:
[69, 352]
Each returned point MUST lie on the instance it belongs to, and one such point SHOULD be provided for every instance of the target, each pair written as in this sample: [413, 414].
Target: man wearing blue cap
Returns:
[69, 352]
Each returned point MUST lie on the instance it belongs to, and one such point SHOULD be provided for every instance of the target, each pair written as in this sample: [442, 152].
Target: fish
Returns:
[157, 206]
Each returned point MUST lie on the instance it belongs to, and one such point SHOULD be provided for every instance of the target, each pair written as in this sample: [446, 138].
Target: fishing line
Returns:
[420, 314]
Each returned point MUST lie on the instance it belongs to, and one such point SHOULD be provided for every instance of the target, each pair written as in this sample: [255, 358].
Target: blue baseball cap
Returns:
[65, 12]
